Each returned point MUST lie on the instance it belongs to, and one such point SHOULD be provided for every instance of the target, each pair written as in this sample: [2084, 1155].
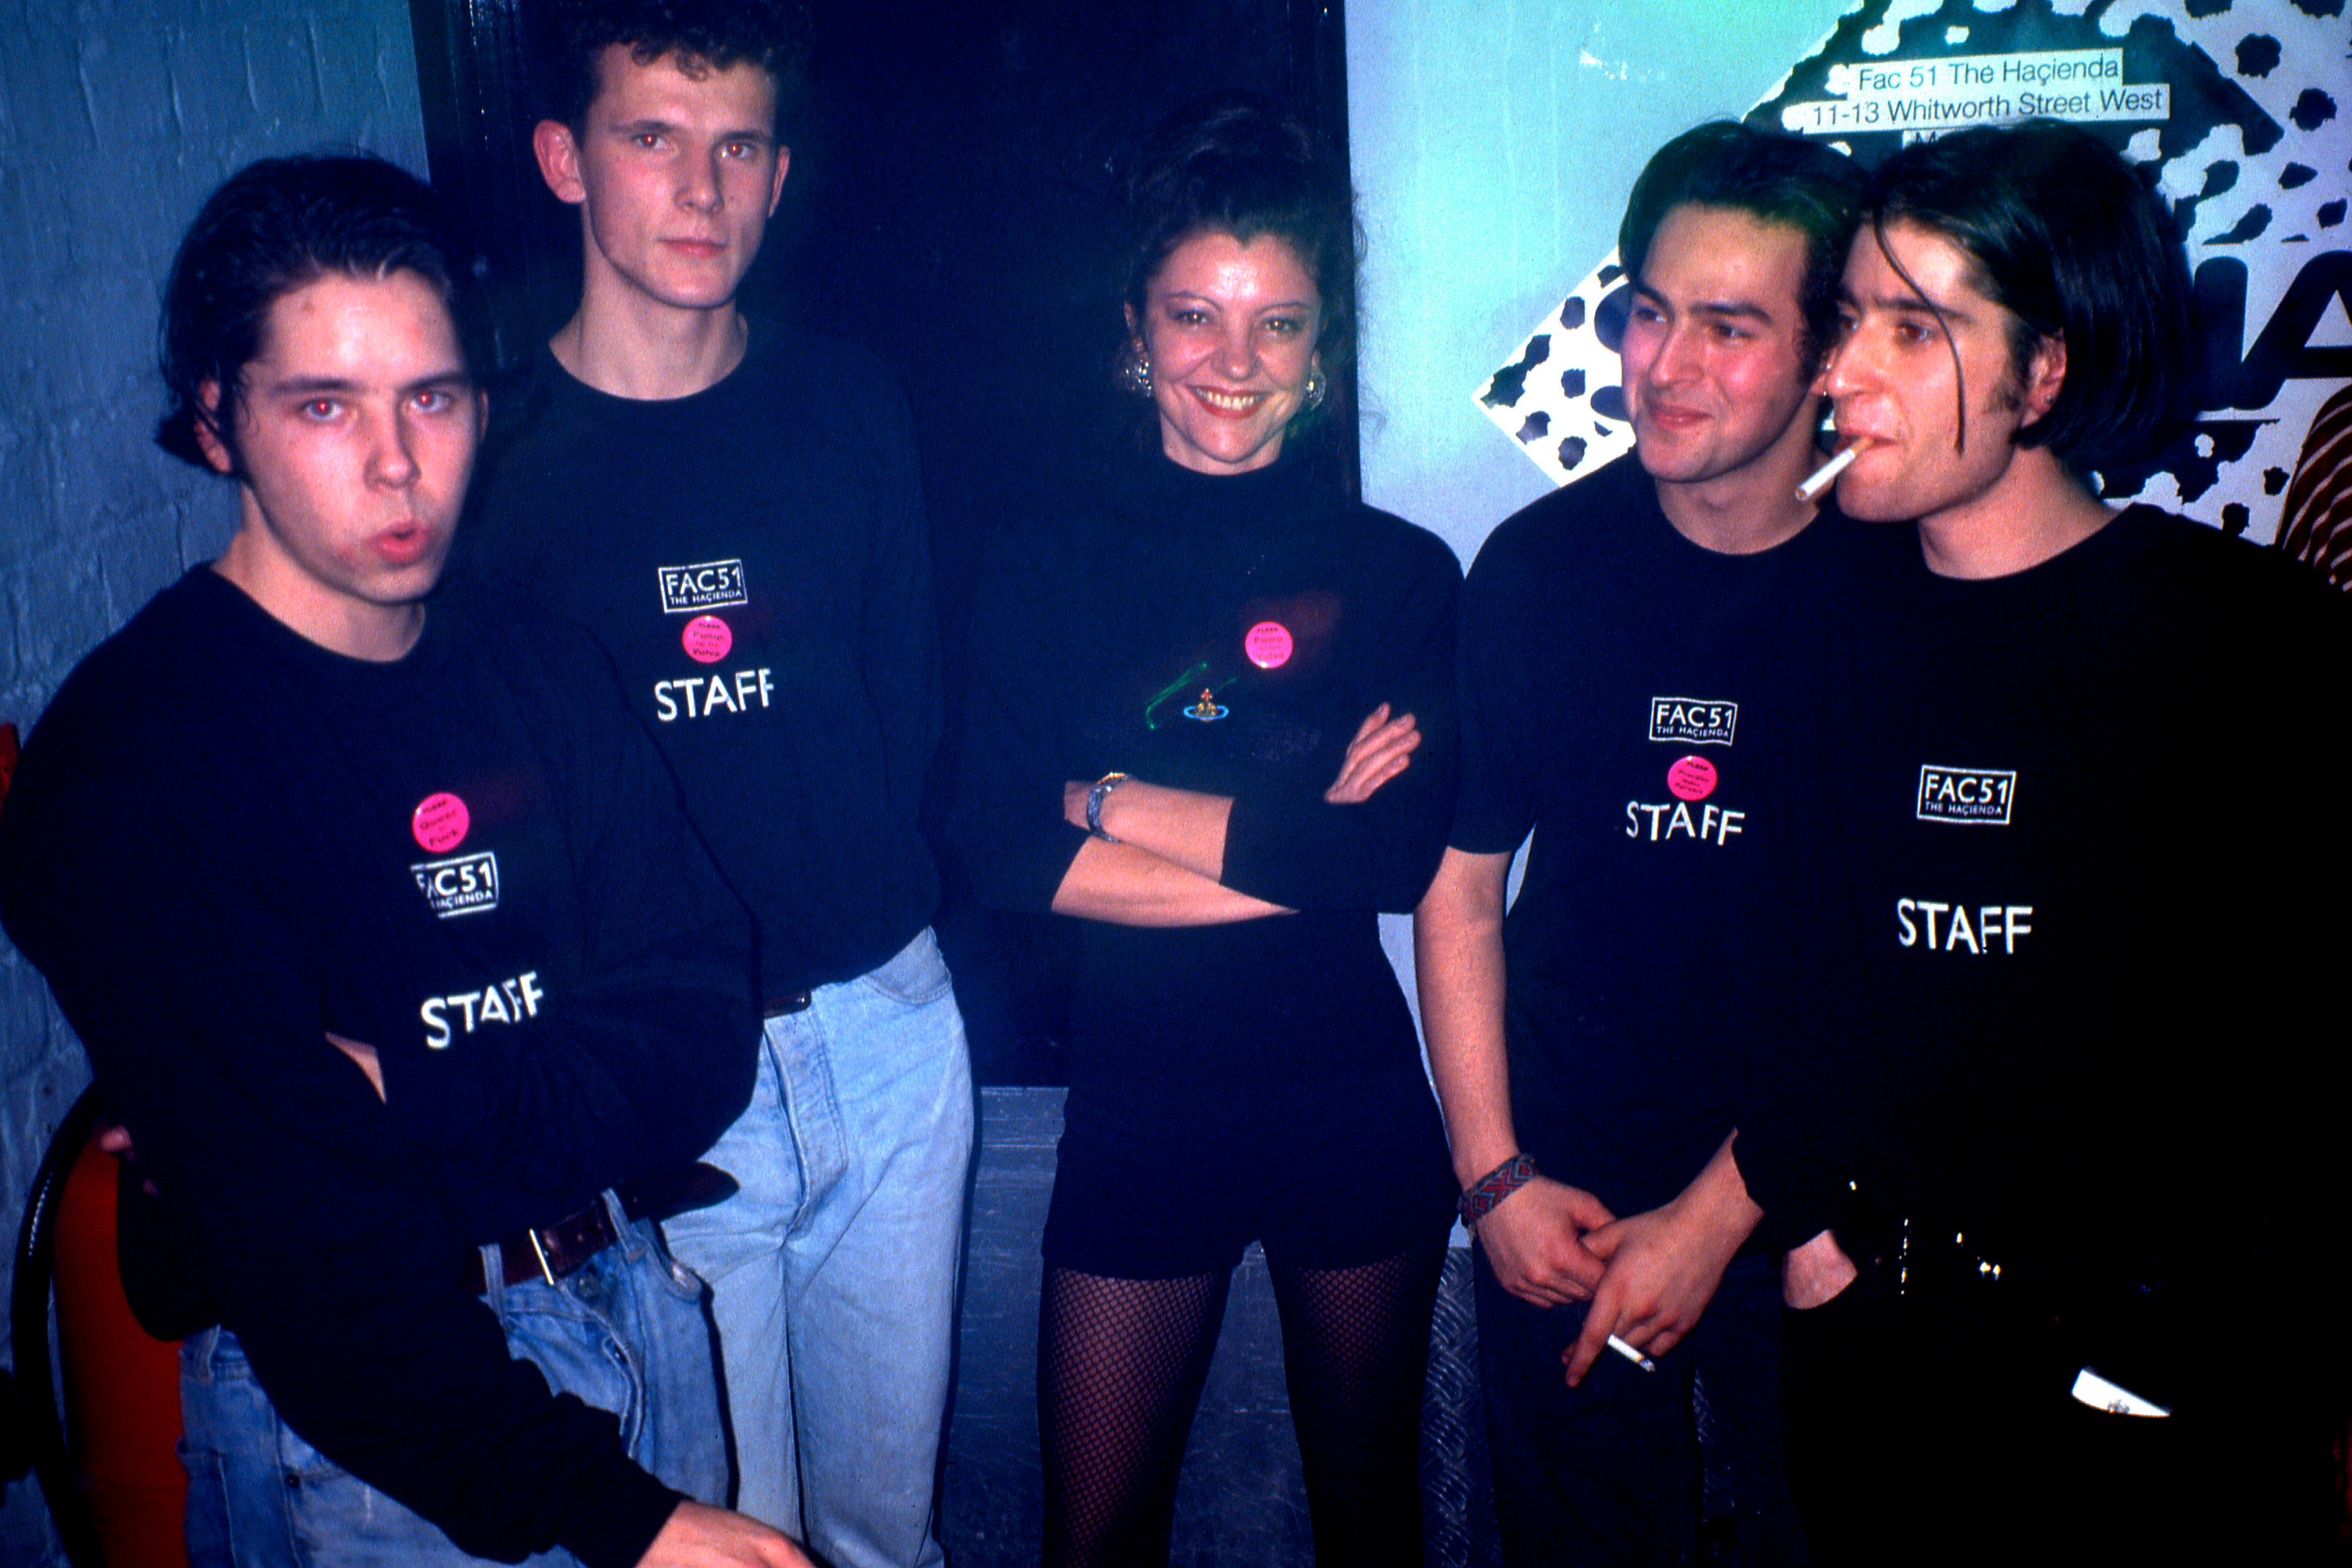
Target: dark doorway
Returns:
[950, 206]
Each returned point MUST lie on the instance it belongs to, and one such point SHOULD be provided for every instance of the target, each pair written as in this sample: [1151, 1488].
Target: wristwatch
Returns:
[1095, 798]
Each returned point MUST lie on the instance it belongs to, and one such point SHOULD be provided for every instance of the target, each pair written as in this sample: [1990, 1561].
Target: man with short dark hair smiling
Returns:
[1632, 648]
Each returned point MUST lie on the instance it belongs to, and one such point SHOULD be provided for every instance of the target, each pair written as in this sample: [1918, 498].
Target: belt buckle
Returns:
[546, 1269]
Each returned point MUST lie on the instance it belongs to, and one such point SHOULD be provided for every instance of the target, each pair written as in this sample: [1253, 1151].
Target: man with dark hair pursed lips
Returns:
[393, 953]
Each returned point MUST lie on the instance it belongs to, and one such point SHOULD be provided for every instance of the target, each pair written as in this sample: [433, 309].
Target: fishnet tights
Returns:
[1120, 1368]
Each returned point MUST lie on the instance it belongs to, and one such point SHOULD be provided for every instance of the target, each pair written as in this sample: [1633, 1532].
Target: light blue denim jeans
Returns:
[833, 1271]
[626, 1332]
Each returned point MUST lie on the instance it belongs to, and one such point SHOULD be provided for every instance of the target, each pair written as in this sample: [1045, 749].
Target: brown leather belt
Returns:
[554, 1251]
[782, 1006]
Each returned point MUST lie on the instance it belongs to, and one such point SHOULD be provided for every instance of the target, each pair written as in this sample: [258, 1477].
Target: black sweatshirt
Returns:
[2077, 835]
[225, 842]
[1100, 625]
[1641, 703]
[754, 557]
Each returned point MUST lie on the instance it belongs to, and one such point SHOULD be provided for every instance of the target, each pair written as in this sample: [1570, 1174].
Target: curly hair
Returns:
[1234, 165]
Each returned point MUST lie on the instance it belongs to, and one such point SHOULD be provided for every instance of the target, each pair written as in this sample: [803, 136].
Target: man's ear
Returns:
[214, 449]
[776, 185]
[2045, 376]
[558, 161]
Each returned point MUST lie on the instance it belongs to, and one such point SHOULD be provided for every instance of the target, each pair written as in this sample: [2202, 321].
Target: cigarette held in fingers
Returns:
[1826, 475]
[1627, 1352]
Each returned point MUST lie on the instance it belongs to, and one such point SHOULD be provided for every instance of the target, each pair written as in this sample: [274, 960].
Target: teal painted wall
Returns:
[1494, 142]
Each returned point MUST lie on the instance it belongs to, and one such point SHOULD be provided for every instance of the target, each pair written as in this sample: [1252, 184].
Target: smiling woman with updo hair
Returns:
[1211, 721]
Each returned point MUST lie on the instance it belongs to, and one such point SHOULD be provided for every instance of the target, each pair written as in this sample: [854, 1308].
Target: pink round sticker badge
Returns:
[440, 822]
[1692, 778]
[707, 639]
[1268, 644]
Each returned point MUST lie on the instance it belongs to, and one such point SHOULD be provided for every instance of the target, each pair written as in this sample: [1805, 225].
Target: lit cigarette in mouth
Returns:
[1826, 475]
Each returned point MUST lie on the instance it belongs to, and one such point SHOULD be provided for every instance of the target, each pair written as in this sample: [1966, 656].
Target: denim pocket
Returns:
[675, 1277]
[915, 976]
[300, 1462]
[209, 1538]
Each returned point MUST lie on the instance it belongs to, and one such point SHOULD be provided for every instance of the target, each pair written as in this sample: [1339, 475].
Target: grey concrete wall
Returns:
[117, 117]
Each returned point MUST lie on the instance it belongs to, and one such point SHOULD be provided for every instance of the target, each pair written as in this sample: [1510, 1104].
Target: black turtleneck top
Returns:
[1223, 634]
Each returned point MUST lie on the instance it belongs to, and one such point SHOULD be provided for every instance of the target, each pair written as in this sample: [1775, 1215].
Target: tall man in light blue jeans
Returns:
[732, 508]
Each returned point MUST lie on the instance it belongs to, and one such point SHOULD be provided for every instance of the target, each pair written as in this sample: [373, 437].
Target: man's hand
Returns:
[1664, 1265]
[1534, 1242]
[700, 1536]
[1813, 1274]
[1381, 748]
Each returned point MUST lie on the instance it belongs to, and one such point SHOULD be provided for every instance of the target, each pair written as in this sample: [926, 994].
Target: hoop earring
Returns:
[1134, 373]
[1316, 390]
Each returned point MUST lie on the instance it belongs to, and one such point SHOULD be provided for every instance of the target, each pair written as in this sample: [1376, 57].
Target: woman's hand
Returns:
[1381, 748]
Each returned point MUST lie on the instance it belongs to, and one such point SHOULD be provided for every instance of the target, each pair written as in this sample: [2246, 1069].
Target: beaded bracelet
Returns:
[1482, 1195]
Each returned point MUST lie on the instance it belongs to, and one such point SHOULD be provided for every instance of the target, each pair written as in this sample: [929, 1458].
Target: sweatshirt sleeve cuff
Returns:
[618, 1511]
[1797, 1193]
